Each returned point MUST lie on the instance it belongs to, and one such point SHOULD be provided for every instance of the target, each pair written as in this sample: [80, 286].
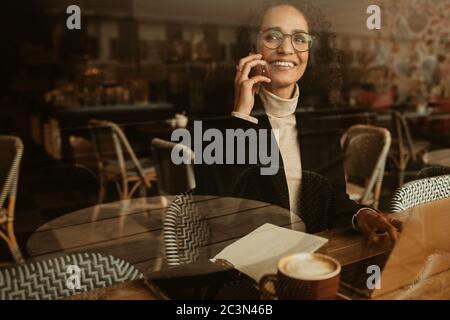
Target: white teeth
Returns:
[283, 64]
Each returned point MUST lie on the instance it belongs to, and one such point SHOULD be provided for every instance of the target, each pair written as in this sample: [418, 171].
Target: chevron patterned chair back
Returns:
[185, 232]
[420, 191]
[64, 276]
[11, 150]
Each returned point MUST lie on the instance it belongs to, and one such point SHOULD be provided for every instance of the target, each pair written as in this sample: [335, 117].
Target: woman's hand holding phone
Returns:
[246, 84]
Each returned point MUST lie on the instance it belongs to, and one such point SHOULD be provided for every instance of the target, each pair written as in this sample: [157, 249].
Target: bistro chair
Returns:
[404, 148]
[420, 191]
[185, 231]
[60, 277]
[173, 178]
[365, 151]
[83, 152]
[186, 236]
[117, 161]
[432, 171]
[11, 150]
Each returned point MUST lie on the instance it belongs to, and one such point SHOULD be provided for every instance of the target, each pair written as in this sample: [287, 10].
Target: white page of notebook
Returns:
[257, 253]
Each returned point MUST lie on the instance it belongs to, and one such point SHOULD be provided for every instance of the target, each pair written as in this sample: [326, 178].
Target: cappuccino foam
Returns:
[307, 266]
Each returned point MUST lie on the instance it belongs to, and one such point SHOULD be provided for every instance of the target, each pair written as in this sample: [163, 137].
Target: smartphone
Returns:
[258, 70]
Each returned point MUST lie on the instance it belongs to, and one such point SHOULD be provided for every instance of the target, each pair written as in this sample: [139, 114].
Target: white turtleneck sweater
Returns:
[281, 114]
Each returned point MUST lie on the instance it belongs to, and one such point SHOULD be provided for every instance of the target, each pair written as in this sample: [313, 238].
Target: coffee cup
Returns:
[303, 276]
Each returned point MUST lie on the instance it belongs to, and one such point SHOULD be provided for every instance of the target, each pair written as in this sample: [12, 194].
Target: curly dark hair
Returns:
[323, 74]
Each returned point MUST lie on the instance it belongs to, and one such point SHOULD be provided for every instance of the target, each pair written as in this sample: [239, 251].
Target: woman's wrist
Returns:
[242, 110]
[244, 117]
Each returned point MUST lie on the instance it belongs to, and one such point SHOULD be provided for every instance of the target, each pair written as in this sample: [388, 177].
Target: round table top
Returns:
[134, 230]
[438, 158]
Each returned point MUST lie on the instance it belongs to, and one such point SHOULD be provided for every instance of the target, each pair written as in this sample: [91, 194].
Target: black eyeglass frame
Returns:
[313, 38]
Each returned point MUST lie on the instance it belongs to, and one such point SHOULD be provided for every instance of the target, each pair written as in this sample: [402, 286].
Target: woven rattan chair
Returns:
[117, 161]
[420, 191]
[365, 151]
[83, 152]
[64, 276]
[11, 150]
[404, 148]
[172, 178]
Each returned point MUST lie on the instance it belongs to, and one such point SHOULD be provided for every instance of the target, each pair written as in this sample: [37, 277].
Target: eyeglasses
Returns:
[272, 39]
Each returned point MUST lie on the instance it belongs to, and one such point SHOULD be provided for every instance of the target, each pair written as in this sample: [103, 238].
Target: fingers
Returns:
[258, 79]
[366, 230]
[396, 223]
[247, 59]
[374, 237]
[374, 225]
[393, 234]
[250, 83]
[245, 65]
[248, 67]
[369, 233]
[382, 224]
[245, 88]
[245, 72]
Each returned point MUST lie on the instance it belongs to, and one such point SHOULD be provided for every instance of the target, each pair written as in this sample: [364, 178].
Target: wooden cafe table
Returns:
[133, 231]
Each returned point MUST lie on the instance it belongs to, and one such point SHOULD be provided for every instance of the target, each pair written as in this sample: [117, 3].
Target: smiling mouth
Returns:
[283, 64]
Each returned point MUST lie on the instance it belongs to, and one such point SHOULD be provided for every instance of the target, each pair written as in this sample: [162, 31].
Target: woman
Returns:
[267, 80]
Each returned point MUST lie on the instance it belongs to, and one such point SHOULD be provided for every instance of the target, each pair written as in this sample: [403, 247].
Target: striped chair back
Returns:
[420, 191]
[185, 232]
[64, 276]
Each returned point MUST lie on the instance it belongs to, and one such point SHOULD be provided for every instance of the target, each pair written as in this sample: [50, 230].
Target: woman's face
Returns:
[288, 20]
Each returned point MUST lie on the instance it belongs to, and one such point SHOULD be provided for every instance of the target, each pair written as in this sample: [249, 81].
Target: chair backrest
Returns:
[420, 191]
[432, 171]
[11, 151]
[173, 178]
[83, 152]
[64, 276]
[365, 151]
[111, 143]
[402, 133]
[185, 231]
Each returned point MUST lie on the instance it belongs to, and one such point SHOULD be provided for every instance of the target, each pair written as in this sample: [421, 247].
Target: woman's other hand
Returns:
[374, 224]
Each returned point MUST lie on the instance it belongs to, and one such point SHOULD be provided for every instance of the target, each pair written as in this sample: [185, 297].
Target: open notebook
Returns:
[257, 253]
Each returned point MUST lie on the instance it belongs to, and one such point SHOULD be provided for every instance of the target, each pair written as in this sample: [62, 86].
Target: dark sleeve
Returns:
[217, 179]
[334, 172]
